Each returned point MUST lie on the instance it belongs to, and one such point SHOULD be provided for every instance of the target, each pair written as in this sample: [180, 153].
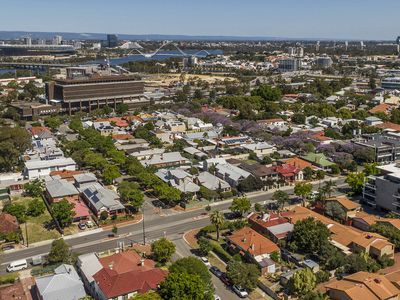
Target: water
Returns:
[160, 56]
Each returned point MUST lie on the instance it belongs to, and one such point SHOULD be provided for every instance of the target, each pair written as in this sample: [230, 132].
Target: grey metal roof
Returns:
[89, 265]
[42, 164]
[212, 182]
[65, 284]
[60, 188]
[100, 197]
[85, 177]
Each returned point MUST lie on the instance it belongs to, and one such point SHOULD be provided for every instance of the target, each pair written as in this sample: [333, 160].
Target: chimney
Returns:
[142, 261]
[111, 265]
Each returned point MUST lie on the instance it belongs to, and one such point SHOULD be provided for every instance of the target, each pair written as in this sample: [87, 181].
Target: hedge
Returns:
[218, 250]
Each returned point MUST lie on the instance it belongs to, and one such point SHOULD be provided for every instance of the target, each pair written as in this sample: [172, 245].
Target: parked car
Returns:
[17, 265]
[37, 260]
[82, 225]
[89, 224]
[216, 297]
[7, 248]
[205, 261]
[241, 292]
[225, 279]
[217, 272]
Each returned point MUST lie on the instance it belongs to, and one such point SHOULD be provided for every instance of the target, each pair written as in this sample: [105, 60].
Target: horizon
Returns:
[307, 19]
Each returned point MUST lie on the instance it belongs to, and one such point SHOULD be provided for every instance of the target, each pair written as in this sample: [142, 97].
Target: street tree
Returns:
[204, 246]
[303, 190]
[59, 252]
[243, 274]
[130, 192]
[240, 205]
[217, 219]
[281, 198]
[356, 181]
[162, 250]
[111, 173]
[63, 212]
[329, 187]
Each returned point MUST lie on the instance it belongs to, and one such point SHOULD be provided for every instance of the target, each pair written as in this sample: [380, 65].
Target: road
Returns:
[169, 224]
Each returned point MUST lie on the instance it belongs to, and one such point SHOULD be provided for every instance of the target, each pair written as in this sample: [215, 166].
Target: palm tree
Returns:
[217, 219]
[329, 187]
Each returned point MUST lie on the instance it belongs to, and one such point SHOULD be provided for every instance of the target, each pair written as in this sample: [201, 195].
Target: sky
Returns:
[336, 19]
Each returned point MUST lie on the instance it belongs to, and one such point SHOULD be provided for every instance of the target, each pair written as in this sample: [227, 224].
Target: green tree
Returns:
[302, 282]
[356, 181]
[53, 122]
[388, 231]
[193, 266]
[240, 205]
[150, 295]
[59, 252]
[281, 198]
[371, 169]
[204, 246]
[308, 173]
[131, 193]
[16, 210]
[303, 190]
[36, 207]
[309, 236]
[111, 173]
[162, 250]
[122, 108]
[63, 212]
[75, 124]
[34, 188]
[335, 210]
[217, 219]
[182, 286]
[242, 274]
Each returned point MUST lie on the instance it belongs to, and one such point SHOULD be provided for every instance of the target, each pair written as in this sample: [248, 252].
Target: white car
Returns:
[205, 261]
[216, 297]
[241, 292]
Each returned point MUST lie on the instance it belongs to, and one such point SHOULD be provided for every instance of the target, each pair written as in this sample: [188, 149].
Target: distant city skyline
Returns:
[338, 19]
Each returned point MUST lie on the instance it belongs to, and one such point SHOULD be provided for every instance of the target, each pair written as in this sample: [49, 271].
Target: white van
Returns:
[17, 265]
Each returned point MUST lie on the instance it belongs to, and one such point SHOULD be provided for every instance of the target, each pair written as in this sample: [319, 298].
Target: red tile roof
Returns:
[123, 273]
[8, 223]
[38, 129]
[299, 163]
[287, 170]
[383, 107]
[389, 125]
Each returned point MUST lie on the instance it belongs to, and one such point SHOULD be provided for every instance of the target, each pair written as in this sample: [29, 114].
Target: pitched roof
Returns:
[251, 241]
[287, 170]
[38, 129]
[61, 188]
[100, 197]
[65, 174]
[364, 285]
[389, 125]
[383, 107]
[318, 159]
[8, 223]
[124, 273]
[299, 163]
[345, 202]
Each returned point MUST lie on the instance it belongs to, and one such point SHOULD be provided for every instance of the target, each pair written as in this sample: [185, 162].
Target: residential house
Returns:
[99, 199]
[179, 179]
[232, 142]
[60, 189]
[362, 285]
[41, 168]
[195, 152]
[260, 148]
[350, 208]
[299, 163]
[125, 275]
[63, 284]
[212, 182]
[320, 138]
[175, 126]
[231, 174]
[274, 225]
[381, 108]
[253, 246]
[104, 127]
[146, 154]
[289, 173]
[363, 220]
[275, 122]
[88, 265]
[319, 160]
[169, 159]
[263, 172]
[122, 138]
[372, 121]
[331, 121]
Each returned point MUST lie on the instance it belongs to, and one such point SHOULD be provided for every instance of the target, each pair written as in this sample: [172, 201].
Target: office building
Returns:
[81, 91]
[324, 62]
[36, 50]
[57, 40]
[112, 41]
[383, 191]
[390, 83]
[289, 65]
[28, 41]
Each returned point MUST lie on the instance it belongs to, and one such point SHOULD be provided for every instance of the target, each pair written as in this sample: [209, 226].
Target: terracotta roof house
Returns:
[388, 126]
[299, 163]
[381, 108]
[362, 285]
[274, 225]
[346, 238]
[321, 138]
[253, 246]
[350, 207]
[289, 172]
[65, 174]
[126, 274]
[36, 130]
[363, 220]
[8, 224]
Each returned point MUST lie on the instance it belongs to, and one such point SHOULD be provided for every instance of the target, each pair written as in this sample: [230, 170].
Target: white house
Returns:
[41, 168]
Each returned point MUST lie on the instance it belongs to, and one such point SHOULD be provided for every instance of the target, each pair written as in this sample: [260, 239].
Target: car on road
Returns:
[225, 279]
[205, 261]
[217, 272]
[241, 292]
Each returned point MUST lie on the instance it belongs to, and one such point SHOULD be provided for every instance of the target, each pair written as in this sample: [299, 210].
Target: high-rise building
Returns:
[292, 51]
[324, 61]
[57, 40]
[398, 40]
[28, 41]
[300, 51]
[112, 41]
[289, 65]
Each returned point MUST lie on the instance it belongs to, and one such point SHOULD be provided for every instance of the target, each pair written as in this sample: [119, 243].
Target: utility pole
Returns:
[144, 232]
[26, 234]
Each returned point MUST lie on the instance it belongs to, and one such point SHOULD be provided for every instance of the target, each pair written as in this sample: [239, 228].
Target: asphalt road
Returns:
[169, 224]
